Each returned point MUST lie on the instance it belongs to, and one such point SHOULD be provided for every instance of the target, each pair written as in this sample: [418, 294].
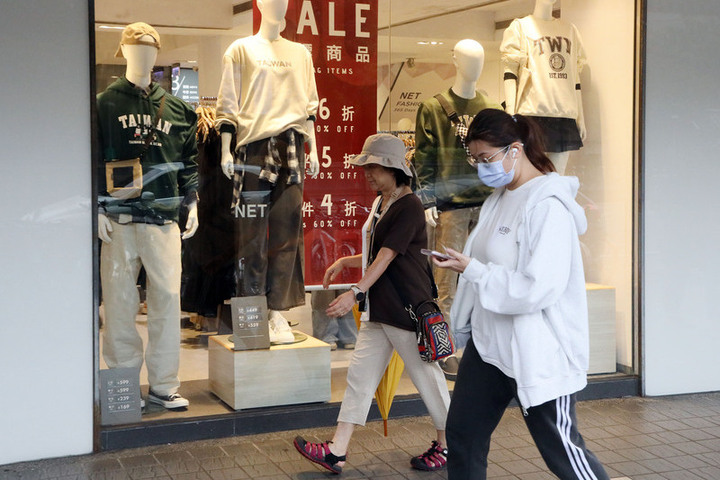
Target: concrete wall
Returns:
[681, 321]
[46, 345]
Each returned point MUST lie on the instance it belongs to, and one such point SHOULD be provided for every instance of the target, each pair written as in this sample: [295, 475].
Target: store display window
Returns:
[225, 186]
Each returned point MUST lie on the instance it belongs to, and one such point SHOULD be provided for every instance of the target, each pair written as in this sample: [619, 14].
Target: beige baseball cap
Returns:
[133, 33]
[386, 150]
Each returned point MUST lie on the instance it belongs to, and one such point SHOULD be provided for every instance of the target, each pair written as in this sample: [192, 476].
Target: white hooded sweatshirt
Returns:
[530, 319]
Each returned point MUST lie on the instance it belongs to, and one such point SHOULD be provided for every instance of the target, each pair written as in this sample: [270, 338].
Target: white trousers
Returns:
[374, 347]
[157, 248]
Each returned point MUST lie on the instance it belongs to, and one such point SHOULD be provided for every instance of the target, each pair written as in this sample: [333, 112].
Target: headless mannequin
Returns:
[272, 22]
[468, 58]
[543, 11]
[140, 60]
[273, 17]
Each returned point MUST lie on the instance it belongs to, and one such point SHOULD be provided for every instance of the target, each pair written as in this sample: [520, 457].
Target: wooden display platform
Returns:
[281, 375]
[601, 318]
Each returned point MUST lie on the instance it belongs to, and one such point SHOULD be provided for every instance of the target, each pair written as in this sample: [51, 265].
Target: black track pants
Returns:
[481, 395]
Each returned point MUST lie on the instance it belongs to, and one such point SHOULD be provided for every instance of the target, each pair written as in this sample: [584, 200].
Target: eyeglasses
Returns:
[475, 161]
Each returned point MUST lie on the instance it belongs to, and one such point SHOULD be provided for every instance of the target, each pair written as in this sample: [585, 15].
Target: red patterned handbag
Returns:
[432, 331]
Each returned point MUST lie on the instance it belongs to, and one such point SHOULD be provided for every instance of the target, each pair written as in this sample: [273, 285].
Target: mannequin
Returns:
[543, 57]
[140, 61]
[273, 16]
[262, 118]
[449, 186]
[468, 58]
[140, 124]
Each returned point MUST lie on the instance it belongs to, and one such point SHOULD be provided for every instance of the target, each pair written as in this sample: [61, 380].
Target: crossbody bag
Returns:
[432, 332]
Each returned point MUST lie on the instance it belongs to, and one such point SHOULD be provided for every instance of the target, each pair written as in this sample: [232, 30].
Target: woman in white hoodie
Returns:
[520, 306]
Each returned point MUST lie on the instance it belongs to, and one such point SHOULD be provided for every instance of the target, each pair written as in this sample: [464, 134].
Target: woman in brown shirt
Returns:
[394, 235]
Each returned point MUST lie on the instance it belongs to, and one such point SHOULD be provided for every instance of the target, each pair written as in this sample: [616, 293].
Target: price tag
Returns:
[250, 323]
[120, 396]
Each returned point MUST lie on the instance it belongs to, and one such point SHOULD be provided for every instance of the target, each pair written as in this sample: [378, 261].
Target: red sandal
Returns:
[434, 459]
[319, 453]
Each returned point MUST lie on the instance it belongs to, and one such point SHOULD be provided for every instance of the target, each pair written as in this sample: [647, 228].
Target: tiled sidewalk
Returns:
[668, 438]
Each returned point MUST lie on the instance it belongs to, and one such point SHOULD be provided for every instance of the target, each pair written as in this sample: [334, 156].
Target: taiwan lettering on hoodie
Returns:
[126, 115]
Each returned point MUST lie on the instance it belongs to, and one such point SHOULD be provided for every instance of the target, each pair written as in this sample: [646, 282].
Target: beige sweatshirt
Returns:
[266, 88]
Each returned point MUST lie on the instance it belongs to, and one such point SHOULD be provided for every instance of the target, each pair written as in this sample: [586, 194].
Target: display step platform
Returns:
[274, 419]
[601, 324]
[281, 375]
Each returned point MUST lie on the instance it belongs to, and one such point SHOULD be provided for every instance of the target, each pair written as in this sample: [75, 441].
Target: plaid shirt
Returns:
[272, 165]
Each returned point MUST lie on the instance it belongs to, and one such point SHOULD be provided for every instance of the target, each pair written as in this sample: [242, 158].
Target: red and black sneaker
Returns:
[319, 453]
[434, 459]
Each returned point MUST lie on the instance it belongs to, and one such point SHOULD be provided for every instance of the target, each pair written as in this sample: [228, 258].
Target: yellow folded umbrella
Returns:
[388, 383]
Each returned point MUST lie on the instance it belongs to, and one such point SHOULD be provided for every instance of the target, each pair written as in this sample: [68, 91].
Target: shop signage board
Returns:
[120, 396]
[185, 84]
[250, 323]
[411, 85]
[342, 37]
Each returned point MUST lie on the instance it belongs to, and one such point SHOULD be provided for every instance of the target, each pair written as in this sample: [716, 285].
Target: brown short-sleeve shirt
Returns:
[401, 229]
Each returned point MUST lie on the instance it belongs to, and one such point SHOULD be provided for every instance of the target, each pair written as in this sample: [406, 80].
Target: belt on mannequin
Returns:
[124, 219]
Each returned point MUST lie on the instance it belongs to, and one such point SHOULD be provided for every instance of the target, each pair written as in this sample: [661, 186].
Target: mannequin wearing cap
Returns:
[393, 237]
[271, 126]
[141, 125]
[449, 187]
[542, 78]
[140, 59]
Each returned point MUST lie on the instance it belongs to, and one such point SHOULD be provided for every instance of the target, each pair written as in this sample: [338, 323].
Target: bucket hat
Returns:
[133, 33]
[386, 150]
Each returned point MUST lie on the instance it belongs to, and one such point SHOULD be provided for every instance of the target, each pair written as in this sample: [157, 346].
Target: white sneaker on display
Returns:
[172, 401]
[280, 332]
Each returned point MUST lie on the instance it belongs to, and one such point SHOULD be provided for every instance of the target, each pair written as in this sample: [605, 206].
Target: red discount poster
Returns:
[342, 37]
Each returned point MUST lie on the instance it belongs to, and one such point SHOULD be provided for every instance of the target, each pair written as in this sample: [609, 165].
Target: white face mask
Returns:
[493, 174]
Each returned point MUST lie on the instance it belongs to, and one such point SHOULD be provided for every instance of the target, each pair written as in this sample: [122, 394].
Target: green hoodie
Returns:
[125, 117]
[446, 180]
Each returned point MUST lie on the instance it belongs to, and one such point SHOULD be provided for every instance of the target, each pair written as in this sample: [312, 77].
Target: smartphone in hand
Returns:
[436, 254]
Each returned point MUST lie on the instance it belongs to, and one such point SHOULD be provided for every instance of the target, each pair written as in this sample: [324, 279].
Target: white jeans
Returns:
[375, 345]
[157, 248]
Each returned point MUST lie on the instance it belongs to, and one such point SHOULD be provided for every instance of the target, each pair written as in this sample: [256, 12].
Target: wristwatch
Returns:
[359, 294]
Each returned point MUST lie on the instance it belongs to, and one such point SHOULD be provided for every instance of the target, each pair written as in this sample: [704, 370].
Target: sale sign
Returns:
[342, 37]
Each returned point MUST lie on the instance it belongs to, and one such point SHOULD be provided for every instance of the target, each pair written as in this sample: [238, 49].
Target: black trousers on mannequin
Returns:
[270, 232]
[481, 395]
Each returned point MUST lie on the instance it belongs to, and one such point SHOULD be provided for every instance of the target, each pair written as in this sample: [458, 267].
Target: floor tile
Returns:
[656, 438]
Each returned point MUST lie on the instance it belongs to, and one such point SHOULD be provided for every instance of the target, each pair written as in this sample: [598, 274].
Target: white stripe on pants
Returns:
[374, 347]
[157, 248]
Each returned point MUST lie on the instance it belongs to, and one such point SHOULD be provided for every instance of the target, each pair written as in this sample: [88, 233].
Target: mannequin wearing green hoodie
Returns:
[139, 119]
